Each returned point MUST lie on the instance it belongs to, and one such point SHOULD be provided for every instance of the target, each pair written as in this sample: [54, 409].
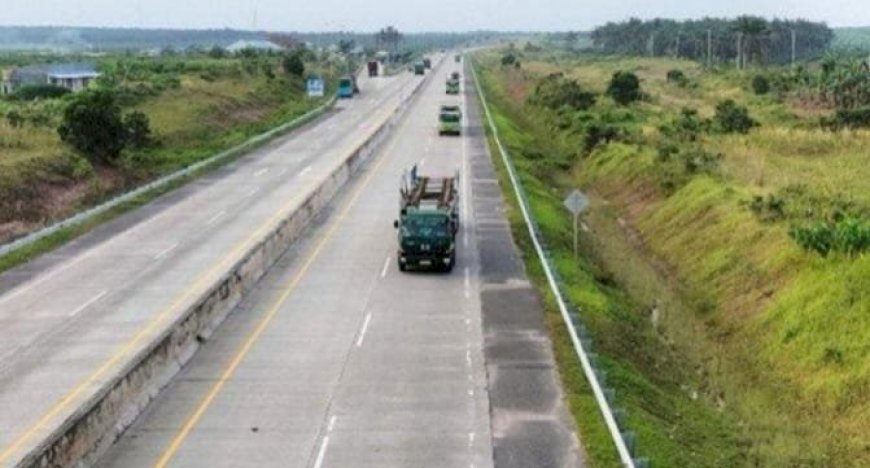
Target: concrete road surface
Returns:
[337, 359]
[71, 318]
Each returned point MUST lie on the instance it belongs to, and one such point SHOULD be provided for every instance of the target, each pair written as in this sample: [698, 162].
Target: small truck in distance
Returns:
[428, 221]
[419, 68]
[450, 120]
[453, 83]
[373, 67]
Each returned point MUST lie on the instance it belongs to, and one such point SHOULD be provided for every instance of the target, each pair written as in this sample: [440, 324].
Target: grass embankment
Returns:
[727, 343]
[196, 107]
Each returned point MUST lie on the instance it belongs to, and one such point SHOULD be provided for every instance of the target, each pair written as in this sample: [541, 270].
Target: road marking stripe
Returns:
[88, 304]
[215, 218]
[155, 322]
[261, 172]
[206, 401]
[251, 192]
[322, 453]
[331, 424]
[166, 251]
[467, 283]
[305, 171]
[362, 333]
[386, 267]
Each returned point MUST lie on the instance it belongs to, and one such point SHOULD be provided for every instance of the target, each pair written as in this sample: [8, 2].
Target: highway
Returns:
[72, 318]
[337, 359]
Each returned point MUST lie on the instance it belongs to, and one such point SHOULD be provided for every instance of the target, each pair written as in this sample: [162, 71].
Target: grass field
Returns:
[728, 344]
[212, 105]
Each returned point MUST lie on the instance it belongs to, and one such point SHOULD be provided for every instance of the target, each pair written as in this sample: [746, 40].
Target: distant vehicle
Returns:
[419, 68]
[455, 76]
[428, 221]
[450, 120]
[457, 58]
[346, 87]
[373, 67]
[427, 62]
[452, 86]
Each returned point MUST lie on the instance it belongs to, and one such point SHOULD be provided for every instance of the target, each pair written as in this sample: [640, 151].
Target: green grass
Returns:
[760, 354]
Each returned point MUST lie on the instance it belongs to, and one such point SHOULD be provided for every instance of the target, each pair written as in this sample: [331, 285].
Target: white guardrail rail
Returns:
[615, 419]
[164, 181]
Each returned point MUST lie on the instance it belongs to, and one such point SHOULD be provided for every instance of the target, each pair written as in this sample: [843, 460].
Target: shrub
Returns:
[138, 129]
[92, 125]
[597, 133]
[760, 85]
[508, 59]
[624, 88]
[15, 119]
[677, 77]
[731, 118]
[849, 235]
[293, 65]
[770, 208]
[687, 126]
[44, 91]
[848, 118]
[555, 91]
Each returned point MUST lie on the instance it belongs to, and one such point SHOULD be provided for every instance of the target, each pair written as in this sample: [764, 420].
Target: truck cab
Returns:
[450, 120]
[419, 68]
[346, 87]
[428, 222]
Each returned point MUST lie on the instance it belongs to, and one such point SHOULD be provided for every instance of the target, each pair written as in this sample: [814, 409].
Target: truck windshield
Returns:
[426, 226]
[450, 117]
[344, 83]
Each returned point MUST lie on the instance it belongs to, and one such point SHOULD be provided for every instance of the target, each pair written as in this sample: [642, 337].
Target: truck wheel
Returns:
[402, 266]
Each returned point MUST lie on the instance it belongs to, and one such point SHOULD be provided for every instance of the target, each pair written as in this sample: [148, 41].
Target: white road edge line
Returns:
[331, 424]
[88, 304]
[362, 332]
[322, 453]
[386, 267]
[166, 251]
[467, 282]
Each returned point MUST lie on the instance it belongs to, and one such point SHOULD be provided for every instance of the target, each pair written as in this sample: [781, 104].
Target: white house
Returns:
[255, 45]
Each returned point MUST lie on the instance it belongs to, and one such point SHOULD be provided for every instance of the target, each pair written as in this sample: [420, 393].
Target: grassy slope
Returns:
[745, 314]
[190, 123]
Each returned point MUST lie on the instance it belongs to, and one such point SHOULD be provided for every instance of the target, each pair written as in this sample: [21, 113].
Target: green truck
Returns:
[452, 86]
[457, 58]
[419, 68]
[450, 120]
[428, 222]
[427, 62]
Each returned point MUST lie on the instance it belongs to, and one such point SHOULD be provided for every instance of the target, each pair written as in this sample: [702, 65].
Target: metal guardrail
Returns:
[623, 438]
[165, 180]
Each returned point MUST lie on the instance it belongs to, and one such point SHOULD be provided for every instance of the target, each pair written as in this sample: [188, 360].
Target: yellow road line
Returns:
[124, 351]
[273, 310]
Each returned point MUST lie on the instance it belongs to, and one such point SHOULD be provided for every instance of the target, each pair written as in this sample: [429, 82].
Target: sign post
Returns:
[576, 202]
[315, 86]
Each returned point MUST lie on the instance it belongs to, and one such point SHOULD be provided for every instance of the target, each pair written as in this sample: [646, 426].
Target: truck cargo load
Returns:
[428, 221]
[373, 67]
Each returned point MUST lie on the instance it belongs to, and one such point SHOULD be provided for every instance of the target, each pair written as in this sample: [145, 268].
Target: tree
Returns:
[138, 129]
[731, 118]
[346, 46]
[217, 52]
[571, 38]
[293, 64]
[624, 88]
[92, 124]
[389, 37]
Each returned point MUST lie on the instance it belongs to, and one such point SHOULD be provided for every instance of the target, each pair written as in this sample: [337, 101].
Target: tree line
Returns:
[744, 40]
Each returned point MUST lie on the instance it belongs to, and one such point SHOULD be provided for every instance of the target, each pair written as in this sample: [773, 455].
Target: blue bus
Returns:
[345, 87]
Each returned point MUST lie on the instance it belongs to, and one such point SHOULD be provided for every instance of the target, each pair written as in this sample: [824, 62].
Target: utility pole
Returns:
[793, 47]
[709, 48]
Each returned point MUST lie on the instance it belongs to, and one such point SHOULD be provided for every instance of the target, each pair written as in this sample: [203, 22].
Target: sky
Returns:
[408, 15]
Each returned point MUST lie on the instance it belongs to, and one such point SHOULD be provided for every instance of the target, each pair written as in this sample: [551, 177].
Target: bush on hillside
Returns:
[293, 64]
[508, 59]
[624, 88]
[760, 85]
[687, 126]
[849, 235]
[138, 129]
[848, 118]
[732, 118]
[44, 91]
[677, 77]
[556, 91]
